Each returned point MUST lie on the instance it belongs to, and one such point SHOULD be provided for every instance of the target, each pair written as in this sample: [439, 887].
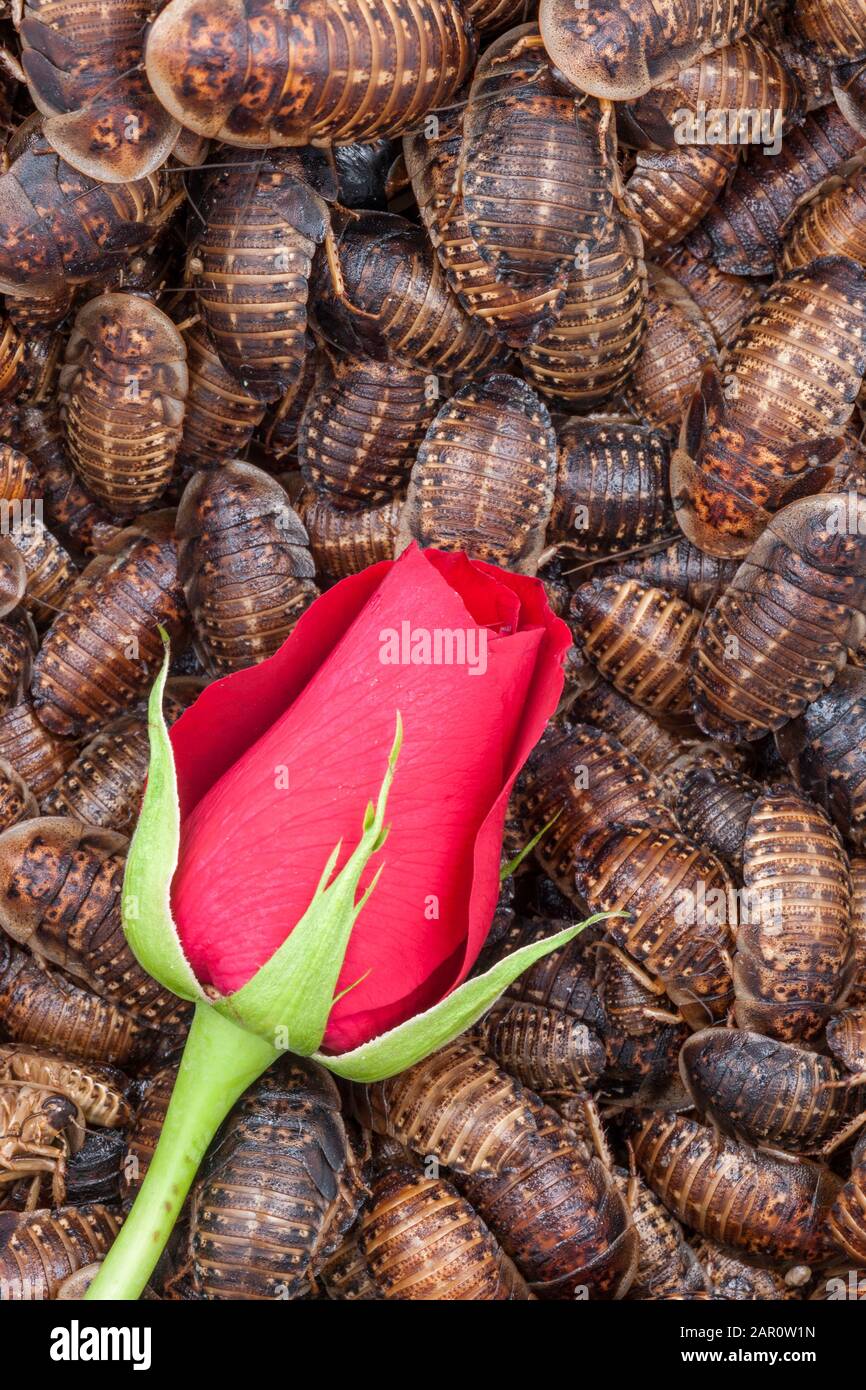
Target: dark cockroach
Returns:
[523, 136]
[848, 82]
[146, 1128]
[666, 1264]
[39, 1129]
[543, 1048]
[639, 638]
[794, 942]
[653, 746]
[620, 51]
[755, 1202]
[724, 300]
[678, 344]
[17, 643]
[847, 1220]
[342, 542]
[251, 264]
[99, 1092]
[381, 292]
[679, 568]
[422, 1241]
[37, 756]
[560, 986]
[588, 354]
[713, 805]
[672, 191]
[642, 1033]
[857, 994]
[826, 746]
[836, 29]
[679, 904]
[69, 511]
[122, 394]
[101, 655]
[846, 1038]
[309, 73]
[743, 232]
[361, 428]
[740, 1281]
[611, 486]
[221, 415]
[769, 432]
[832, 224]
[39, 1249]
[484, 477]
[50, 569]
[768, 1092]
[93, 1174]
[244, 563]
[62, 895]
[780, 631]
[278, 1189]
[17, 802]
[13, 577]
[279, 433]
[15, 375]
[346, 1275]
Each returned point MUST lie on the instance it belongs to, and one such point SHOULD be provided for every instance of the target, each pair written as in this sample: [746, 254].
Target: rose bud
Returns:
[256, 884]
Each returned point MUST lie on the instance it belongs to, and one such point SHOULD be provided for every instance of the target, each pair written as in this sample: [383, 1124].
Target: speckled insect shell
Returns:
[39, 1249]
[832, 224]
[672, 191]
[484, 477]
[826, 746]
[847, 1221]
[836, 29]
[612, 485]
[123, 392]
[713, 805]
[37, 755]
[677, 345]
[263, 72]
[724, 300]
[221, 415]
[543, 1048]
[344, 543]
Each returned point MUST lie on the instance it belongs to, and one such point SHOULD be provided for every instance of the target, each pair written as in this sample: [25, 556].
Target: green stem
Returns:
[219, 1062]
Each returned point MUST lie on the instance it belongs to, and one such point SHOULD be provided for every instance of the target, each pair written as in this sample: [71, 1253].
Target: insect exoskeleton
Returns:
[71, 513]
[99, 1092]
[858, 930]
[544, 1048]
[423, 1241]
[123, 391]
[794, 943]
[262, 221]
[361, 428]
[672, 191]
[826, 747]
[484, 477]
[278, 1189]
[39, 1249]
[679, 568]
[17, 646]
[146, 1128]
[766, 1091]
[101, 654]
[772, 429]
[677, 345]
[611, 487]
[278, 435]
[51, 571]
[847, 1220]
[848, 83]
[667, 1264]
[780, 632]
[639, 638]
[17, 801]
[833, 223]
[342, 542]
[621, 50]
[221, 415]
[713, 805]
[724, 300]
[39, 1129]
[741, 1281]
[244, 563]
[36, 755]
[587, 356]
[346, 1275]
[755, 1202]
[16, 372]
[653, 746]
[846, 1038]
[836, 29]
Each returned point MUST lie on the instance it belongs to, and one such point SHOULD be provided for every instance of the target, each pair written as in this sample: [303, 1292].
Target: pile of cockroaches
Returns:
[289, 283]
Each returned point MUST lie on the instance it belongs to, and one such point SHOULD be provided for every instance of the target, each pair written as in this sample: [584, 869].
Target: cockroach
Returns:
[642, 1033]
[62, 899]
[743, 233]
[17, 802]
[857, 994]
[611, 487]
[45, 1009]
[833, 223]
[639, 638]
[666, 1263]
[380, 291]
[724, 300]
[484, 477]
[846, 1038]
[738, 1280]
[279, 1188]
[560, 987]
[588, 354]
[543, 1048]
[234, 75]
[677, 345]
[760, 1203]
[768, 1092]
[50, 568]
[70, 512]
[653, 746]
[343, 542]
[146, 1128]
[779, 633]
[244, 563]
[346, 1275]
[848, 82]
[39, 1128]
[251, 264]
[93, 1174]
[672, 191]
[37, 315]
[221, 416]
[279, 433]
[122, 394]
[37, 756]
[101, 654]
[39, 1249]
[361, 428]
[620, 51]
[98, 1092]
[794, 943]
[679, 568]
[847, 1219]
[836, 29]
[826, 746]
[679, 905]
[17, 644]
[15, 371]
[713, 805]
[770, 431]
[522, 137]
[422, 1241]
[13, 577]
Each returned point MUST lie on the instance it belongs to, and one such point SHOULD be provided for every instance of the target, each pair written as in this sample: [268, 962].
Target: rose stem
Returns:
[219, 1062]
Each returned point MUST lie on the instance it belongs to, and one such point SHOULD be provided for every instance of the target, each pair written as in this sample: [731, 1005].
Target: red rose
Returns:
[276, 763]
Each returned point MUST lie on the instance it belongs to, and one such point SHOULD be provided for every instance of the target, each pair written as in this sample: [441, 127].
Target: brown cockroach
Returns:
[94, 1173]
[17, 801]
[221, 415]
[342, 542]
[279, 1188]
[848, 82]
[39, 1249]
[779, 633]
[587, 356]
[17, 645]
[37, 756]
[740, 1281]
[244, 563]
[679, 905]
[768, 1092]
[380, 291]
[279, 433]
[251, 264]
[611, 487]
[826, 747]
[70, 512]
[122, 394]
[101, 654]
[794, 944]
[724, 300]
[679, 568]
[666, 1263]
[39, 1129]
[423, 1242]
[561, 985]
[769, 432]
[544, 1048]
[857, 993]
[642, 1034]
[653, 746]
[62, 899]
[45, 1009]
[847, 1220]
[13, 577]
[361, 428]
[678, 344]
[484, 476]
[99, 1092]
[621, 50]
[16, 373]
[672, 191]
[743, 232]
[713, 806]
[639, 638]
[50, 568]
[846, 1038]
[234, 75]
[146, 1128]
[346, 1275]
[760, 1203]
[836, 29]
[833, 223]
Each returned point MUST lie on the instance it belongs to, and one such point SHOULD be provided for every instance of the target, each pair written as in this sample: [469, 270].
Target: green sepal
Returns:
[409, 1042]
